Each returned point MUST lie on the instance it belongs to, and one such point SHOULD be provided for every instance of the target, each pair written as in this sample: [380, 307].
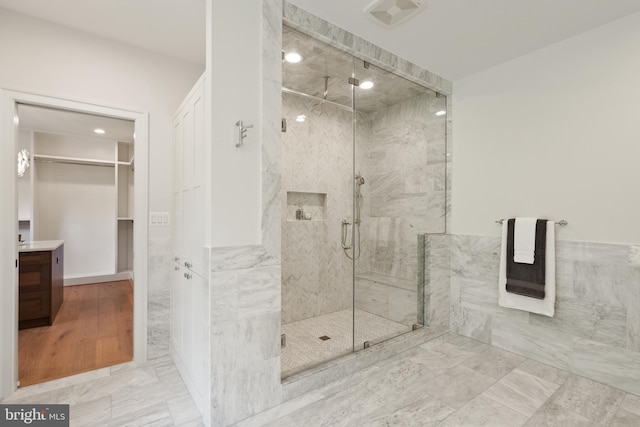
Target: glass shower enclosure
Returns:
[363, 174]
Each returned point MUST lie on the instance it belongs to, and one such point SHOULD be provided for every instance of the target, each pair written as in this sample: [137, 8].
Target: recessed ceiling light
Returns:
[301, 118]
[293, 57]
[367, 84]
[441, 113]
[99, 131]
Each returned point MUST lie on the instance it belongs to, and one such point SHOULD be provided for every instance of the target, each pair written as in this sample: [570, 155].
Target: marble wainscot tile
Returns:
[483, 296]
[564, 279]
[471, 323]
[606, 284]
[608, 364]
[634, 256]
[534, 342]
[597, 322]
[239, 258]
[476, 258]
[590, 252]
[160, 260]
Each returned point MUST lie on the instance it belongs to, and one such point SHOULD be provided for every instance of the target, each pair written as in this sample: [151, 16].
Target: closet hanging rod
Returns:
[104, 164]
[561, 223]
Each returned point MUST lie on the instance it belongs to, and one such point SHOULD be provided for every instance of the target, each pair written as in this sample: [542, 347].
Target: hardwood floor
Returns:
[93, 329]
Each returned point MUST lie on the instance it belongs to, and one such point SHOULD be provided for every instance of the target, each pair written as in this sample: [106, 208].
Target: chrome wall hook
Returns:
[242, 132]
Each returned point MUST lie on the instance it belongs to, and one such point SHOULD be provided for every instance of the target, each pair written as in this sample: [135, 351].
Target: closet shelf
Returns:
[74, 160]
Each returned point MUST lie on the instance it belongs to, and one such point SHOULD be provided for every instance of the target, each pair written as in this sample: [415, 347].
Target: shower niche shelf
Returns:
[312, 205]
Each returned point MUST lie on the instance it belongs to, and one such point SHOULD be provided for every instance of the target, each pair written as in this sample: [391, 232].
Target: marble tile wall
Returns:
[245, 282]
[245, 286]
[595, 331]
[245, 332]
[317, 158]
[434, 280]
[158, 297]
[405, 158]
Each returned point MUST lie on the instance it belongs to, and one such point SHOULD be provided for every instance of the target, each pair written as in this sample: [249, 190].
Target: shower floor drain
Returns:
[324, 338]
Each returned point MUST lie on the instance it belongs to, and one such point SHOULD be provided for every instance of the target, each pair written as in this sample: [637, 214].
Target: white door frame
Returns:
[9, 224]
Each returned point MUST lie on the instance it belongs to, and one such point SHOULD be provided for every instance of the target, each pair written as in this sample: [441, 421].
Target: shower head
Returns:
[324, 96]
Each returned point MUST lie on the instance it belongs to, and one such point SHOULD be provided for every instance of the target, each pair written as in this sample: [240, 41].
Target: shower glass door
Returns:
[399, 193]
[317, 169]
[362, 176]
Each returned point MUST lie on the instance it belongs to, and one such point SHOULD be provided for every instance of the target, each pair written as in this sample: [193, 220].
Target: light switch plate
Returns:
[159, 218]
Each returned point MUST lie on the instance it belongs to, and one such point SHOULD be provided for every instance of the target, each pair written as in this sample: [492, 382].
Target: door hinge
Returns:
[283, 125]
[283, 340]
[354, 81]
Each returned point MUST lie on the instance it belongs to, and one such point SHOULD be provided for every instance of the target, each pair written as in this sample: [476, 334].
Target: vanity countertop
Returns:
[39, 245]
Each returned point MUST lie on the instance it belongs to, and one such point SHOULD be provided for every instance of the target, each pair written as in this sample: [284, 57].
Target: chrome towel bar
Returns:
[561, 223]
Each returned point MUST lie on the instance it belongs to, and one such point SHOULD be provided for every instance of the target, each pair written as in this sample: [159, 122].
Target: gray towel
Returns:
[527, 279]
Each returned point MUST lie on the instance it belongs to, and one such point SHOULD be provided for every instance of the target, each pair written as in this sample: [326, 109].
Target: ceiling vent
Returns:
[392, 12]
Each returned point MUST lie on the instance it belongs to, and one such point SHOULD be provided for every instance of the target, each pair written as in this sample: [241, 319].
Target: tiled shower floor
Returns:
[305, 348]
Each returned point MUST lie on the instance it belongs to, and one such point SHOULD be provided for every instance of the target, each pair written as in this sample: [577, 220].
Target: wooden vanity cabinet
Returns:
[41, 287]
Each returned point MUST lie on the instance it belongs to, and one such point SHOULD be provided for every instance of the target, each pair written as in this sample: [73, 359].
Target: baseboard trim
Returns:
[74, 281]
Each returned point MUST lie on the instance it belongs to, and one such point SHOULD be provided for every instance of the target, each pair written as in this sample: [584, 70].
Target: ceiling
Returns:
[320, 61]
[452, 38]
[175, 28]
[64, 122]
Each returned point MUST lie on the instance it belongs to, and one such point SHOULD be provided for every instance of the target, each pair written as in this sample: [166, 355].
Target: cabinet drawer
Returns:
[34, 305]
[34, 277]
[28, 258]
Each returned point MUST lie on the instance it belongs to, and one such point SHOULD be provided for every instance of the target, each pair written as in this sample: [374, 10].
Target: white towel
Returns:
[544, 306]
[524, 240]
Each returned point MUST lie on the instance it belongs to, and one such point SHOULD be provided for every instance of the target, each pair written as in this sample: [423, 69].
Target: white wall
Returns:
[553, 134]
[234, 84]
[44, 58]
[77, 204]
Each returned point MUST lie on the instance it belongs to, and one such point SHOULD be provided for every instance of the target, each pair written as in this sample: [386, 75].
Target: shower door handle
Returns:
[345, 234]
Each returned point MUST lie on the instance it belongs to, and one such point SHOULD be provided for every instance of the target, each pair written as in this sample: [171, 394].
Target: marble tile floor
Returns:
[305, 349]
[149, 394]
[450, 381]
[457, 381]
